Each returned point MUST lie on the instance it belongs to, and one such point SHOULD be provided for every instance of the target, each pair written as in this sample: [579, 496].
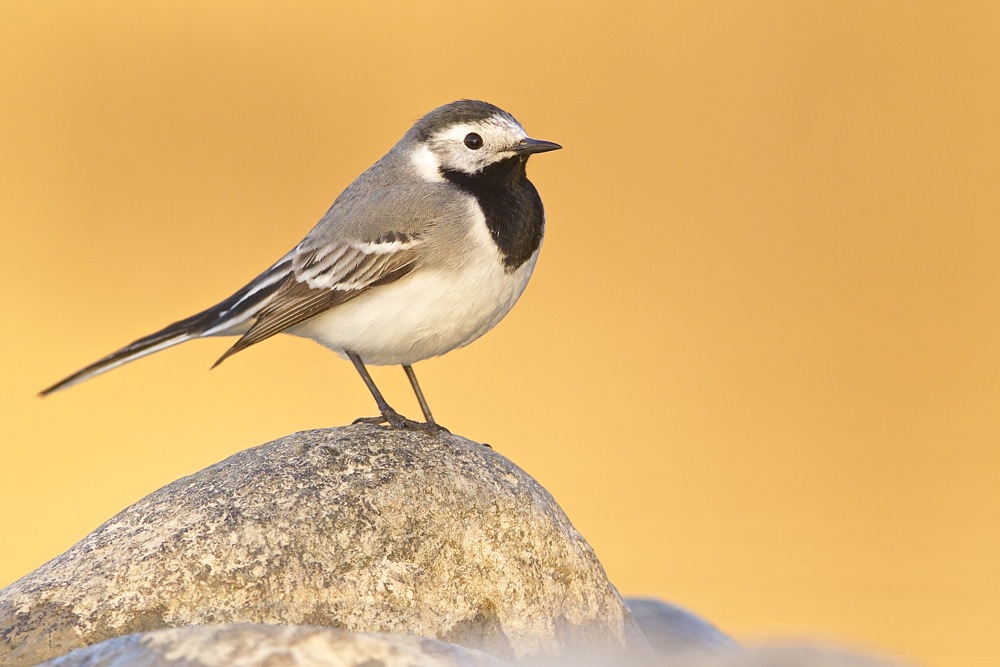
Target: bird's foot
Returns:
[396, 420]
[370, 420]
[431, 427]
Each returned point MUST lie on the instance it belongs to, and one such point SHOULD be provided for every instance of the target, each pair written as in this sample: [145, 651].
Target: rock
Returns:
[361, 528]
[682, 639]
[774, 656]
[670, 629]
[256, 645]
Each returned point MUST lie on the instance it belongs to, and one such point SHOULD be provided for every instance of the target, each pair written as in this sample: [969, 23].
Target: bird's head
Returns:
[465, 137]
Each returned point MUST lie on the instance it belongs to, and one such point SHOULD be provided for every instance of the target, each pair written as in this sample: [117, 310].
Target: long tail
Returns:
[169, 336]
[232, 316]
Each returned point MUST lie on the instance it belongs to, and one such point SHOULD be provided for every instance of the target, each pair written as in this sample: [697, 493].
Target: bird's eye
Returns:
[473, 141]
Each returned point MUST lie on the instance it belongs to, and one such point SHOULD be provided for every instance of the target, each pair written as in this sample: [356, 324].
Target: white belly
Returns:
[424, 314]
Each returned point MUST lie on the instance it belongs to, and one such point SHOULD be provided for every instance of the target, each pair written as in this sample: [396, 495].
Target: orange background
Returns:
[757, 364]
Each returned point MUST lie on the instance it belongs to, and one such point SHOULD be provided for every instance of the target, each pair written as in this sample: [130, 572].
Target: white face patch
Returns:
[427, 164]
[499, 134]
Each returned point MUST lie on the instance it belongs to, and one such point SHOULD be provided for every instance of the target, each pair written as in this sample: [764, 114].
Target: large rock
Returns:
[361, 528]
[255, 645]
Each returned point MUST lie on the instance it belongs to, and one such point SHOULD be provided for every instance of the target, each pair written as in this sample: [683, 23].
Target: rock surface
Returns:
[256, 645]
[361, 528]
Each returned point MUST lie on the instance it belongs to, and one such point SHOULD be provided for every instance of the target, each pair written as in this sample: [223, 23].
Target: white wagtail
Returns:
[424, 252]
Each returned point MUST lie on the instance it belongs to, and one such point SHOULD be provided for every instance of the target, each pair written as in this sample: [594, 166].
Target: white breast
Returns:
[428, 312]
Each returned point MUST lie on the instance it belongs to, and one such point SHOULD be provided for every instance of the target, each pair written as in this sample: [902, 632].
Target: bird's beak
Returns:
[528, 146]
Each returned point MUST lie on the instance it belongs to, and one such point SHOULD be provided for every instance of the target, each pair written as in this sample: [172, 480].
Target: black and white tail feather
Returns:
[221, 319]
[274, 301]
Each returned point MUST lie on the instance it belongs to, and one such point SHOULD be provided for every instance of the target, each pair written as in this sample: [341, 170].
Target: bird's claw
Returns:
[396, 420]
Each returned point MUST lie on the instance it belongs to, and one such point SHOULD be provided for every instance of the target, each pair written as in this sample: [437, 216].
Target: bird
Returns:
[423, 253]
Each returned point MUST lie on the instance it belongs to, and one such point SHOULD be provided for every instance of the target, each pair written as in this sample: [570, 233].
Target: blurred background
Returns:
[758, 361]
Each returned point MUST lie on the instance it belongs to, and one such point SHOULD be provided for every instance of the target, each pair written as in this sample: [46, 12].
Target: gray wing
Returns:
[354, 248]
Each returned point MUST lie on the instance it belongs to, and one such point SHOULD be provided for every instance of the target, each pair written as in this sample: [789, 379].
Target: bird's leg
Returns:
[412, 377]
[426, 409]
[388, 415]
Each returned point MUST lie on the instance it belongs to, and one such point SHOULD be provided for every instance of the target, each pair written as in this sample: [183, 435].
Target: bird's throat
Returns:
[511, 206]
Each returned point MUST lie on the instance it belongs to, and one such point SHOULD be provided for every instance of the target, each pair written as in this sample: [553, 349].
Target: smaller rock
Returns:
[259, 645]
[792, 655]
[670, 629]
